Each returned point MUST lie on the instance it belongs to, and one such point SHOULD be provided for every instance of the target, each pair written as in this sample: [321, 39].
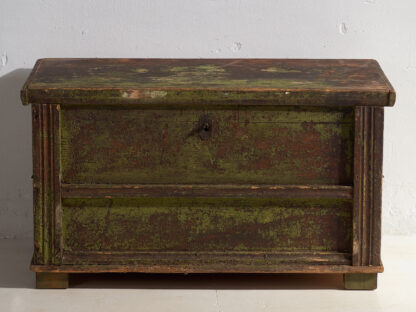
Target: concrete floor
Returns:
[220, 293]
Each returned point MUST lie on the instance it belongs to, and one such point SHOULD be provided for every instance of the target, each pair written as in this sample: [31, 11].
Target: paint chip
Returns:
[157, 94]
[280, 70]
[132, 94]
[141, 70]
[343, 28]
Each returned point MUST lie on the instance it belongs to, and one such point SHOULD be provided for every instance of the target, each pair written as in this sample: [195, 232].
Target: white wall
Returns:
[380, 29]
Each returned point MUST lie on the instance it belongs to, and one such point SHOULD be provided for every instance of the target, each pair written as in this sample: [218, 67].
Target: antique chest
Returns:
[207, 165]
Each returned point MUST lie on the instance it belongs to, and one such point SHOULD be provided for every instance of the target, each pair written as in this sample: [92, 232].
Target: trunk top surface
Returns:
[333, 82]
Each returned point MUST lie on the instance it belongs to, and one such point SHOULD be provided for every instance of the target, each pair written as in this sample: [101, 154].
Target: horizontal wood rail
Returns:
[201, 190]
[291, 268]
[207, 262]
[165, 257]
[288, 268]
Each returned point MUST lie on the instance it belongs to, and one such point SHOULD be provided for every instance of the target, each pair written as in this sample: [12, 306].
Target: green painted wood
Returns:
[273, 145]
[183, 224]
[184, 81]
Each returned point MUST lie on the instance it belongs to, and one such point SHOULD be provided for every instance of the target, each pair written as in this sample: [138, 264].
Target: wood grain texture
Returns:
[368, 154]
[281, 145]
[232, 81]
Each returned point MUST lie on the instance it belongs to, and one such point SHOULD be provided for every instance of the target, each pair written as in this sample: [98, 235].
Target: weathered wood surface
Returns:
[215, 81]
[235, 166]
[205, 190]
[368, 167]
[232, 267]
[281, 145]
[46, 183]
[186, 224]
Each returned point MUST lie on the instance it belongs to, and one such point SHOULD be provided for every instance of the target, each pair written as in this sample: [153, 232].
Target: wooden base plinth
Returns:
[51, 280]
[360, 281]
[57, 280]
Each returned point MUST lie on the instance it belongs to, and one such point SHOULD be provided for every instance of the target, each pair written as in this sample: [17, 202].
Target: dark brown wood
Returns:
[368, 154]
[169, 190]
[51, 280]
[360, 281]
[232, 81]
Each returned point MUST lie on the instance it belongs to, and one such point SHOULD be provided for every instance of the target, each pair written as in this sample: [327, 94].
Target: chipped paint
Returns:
[250, 145]
[156, 94]
[206, 224]
[280, 70]
[310, 82]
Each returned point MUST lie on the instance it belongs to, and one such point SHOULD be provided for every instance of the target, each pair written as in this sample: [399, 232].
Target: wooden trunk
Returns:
[245, 166]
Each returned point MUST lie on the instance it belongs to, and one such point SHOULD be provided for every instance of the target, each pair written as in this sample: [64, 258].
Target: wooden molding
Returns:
[368, 159]
[46, 185]
[201, 190]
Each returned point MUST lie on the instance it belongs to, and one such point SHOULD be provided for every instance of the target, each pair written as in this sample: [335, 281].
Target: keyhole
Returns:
[206, 126]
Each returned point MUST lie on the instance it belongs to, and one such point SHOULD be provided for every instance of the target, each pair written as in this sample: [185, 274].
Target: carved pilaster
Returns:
[368, 159]
[46, 184]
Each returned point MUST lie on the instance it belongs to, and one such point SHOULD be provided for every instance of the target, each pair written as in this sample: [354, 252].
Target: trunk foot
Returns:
[45, 280]
[360, 281]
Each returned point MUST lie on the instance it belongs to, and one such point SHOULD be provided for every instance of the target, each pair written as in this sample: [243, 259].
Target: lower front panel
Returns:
[138, 230]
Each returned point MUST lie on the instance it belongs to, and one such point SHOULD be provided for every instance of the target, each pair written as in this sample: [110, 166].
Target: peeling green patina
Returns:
[270, 145]
[181, 224]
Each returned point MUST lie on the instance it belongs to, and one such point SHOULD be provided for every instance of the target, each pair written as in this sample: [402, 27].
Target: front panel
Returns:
[245, 145]
[94, 226]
